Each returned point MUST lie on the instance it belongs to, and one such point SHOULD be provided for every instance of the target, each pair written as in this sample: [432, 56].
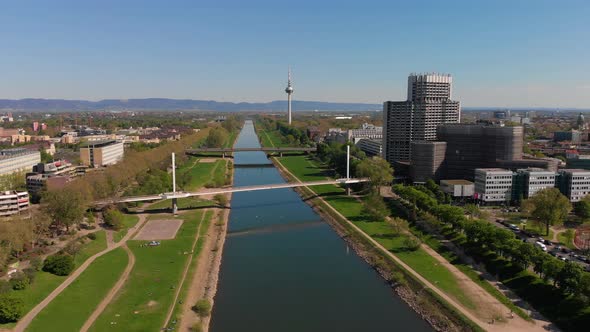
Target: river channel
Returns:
[284, 269]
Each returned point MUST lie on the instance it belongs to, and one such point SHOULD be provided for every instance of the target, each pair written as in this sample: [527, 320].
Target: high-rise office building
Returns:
[428, 105]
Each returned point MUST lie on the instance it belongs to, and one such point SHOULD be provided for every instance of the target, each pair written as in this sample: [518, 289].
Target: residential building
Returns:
[371, 147]
[427, 160]
[574, 183]
[493, 185]
[18, 159]
[458, 188]
[428, 105]
[103, 153]
[366, 131]
[13, 202]
[336, 135]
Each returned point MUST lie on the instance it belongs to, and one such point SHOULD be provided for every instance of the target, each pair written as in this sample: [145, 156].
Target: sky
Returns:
[506, 53]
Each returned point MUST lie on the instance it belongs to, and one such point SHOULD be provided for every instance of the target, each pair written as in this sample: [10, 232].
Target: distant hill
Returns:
[175, 104]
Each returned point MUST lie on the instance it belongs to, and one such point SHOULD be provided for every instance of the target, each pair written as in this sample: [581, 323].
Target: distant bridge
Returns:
[215, 191]
[225, 151]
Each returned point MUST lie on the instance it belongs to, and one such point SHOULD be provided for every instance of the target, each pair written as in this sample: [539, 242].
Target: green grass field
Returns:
[91, 247]
[128, 222]
[73, 306]
[195, 175]
[143, 302]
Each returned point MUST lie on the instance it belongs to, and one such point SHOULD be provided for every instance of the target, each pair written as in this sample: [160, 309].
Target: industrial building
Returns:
[18, 160]
[428, 105]
[104, 153]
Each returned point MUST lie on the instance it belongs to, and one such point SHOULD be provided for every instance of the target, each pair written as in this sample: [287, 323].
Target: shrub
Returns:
[202, 308]
[30, 273]
[91, 236]
[197, 327]
[412, 243]
[5, 286]
[19, 281]
[11, 309]
[60, 265]
[220, 199]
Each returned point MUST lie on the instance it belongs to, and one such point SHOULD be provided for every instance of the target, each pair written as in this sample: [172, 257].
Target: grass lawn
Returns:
[564, 240]
[128, 222]
[352, 209]
[142, 303]
[176, 314]
[73, 306]
[45, 282]
[194, 174]
[91, 247]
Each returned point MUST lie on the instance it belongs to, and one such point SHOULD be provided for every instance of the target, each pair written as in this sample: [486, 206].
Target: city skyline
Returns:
[527, 56]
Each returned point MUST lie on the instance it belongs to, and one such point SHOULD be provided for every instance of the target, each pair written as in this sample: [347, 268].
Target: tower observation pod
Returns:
[289, 91]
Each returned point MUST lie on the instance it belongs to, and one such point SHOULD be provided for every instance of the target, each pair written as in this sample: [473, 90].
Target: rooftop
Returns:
[98, 144]
[457, 182]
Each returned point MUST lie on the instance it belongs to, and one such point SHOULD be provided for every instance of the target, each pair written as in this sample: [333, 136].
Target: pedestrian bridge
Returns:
[215, 191]
[225, 151]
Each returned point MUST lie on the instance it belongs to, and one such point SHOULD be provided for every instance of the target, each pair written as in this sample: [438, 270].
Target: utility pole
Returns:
[174, 202]
[347, 169]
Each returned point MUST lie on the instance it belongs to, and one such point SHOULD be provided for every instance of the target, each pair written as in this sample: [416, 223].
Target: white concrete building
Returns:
[13, 202]
[366, 131]
[536, 179]
[97, 154]
[493, 184]
[457, 188]
[17, 160]
[574, 183]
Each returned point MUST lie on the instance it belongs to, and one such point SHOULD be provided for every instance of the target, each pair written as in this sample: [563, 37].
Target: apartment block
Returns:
[17, 160]
[13, 202]
[493, 185]
[103, 153]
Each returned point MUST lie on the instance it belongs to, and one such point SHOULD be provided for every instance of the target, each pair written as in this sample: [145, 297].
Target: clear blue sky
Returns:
[500, 53]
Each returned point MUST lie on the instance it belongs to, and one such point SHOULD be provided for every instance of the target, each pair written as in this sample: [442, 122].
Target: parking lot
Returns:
[552, 248]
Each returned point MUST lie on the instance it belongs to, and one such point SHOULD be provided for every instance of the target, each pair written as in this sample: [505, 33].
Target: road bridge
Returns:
[215, 191]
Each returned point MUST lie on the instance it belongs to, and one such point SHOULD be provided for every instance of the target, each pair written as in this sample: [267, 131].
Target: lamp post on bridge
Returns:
[174, 202]
[347, 169]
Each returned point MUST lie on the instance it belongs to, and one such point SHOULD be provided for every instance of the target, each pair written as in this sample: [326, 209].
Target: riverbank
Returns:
[417, 295]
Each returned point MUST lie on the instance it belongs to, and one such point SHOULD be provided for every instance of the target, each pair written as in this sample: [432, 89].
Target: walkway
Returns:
[24, 322]
[516, 324]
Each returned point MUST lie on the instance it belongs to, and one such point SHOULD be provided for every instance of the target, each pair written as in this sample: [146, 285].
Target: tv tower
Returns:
[289, 91]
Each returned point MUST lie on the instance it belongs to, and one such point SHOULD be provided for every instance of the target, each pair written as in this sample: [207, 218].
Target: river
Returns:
[284, 269]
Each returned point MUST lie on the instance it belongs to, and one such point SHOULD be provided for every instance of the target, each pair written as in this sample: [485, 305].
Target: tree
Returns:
[64, 206]
[569, 277]
[217, 137]
[221, 200]
[378, 170]
[548, 206]
[113, 218]
[59, 264]
[375, 207]
[11, 308]
[582, 208]
[411, 243]
[202, 308]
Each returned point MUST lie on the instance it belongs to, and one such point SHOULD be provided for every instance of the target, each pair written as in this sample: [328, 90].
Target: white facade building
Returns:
[536, 179]
[493, 184]
[575, 183]
[457, 188]
[366, 131]
[371, 147]
[18, 159]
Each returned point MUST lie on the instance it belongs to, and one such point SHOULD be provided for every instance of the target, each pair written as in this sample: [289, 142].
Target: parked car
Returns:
[547, 242]
[541, 245]
[514, 227]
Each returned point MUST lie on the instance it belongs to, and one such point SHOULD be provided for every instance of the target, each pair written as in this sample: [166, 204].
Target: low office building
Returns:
[493, 185]
[104, 153]
[17, 160]
[13, 202]
[367, 131]
[527, 182]
[371, 147]
[574, 183]
[458, 188]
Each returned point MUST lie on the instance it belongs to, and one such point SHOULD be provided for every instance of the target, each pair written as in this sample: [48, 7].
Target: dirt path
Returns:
[24, 322]
[556, 234]
[111, 294]
[185, 272]
[516, 324]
